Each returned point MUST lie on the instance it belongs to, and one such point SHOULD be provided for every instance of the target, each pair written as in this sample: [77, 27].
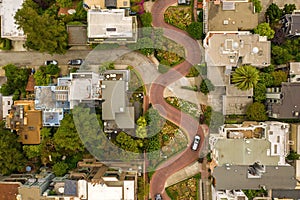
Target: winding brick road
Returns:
[184, 121]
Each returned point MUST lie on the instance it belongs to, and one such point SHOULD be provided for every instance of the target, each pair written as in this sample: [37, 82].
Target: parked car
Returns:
[196, 142]
[75, 62]
[51, 62]
[158, 197]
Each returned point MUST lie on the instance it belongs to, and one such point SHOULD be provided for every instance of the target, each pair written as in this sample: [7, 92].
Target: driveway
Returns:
[184, 121]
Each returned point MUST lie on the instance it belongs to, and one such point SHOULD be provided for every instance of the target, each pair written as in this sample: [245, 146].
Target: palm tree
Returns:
[245, 77]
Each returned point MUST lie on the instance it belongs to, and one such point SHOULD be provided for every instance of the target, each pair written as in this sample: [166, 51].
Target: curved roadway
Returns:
[184, 121]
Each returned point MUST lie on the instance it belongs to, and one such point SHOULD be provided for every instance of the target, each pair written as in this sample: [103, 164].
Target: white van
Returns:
[196, 142]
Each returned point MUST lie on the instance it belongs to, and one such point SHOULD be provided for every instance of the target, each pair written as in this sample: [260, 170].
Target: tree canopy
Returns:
[257, 5]
[245, 77]
[257, 112]
[11, 156]
[44, 32]
[289, 8]
[146, 19]
[195, 29]
[273, 13]
[264, 29]
[280, 55]
[279, 77]
[206, 86]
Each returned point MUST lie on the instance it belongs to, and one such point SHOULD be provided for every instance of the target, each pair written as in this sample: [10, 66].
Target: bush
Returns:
[257, 112]
[146, 19]
[163, 68]
[195, 29]
[206, 86]
[60, 168]
[193, 88]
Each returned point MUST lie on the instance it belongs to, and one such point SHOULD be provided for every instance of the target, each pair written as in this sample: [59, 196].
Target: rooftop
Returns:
[9, 191]
[237, 48]
[236, 177]
[9, 29]
[77, 34]
[289, 106]
[107, 3]
[292, 24]
[231, 16]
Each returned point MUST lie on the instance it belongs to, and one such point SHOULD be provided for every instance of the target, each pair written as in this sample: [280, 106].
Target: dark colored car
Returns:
[51, 62]
[75, 62]
[158, 197]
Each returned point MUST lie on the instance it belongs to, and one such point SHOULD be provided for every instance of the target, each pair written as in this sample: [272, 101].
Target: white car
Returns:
[196, 142]
[51, 62]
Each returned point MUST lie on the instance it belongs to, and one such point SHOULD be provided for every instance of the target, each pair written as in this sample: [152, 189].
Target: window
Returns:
[278, 139]
[275, 148]
[8, 103]
[26, 137]
[270, 132]
[111, 29]
[124, 3]
[31, 128]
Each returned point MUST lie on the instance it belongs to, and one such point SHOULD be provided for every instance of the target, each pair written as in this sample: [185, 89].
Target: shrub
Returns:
[195, 29]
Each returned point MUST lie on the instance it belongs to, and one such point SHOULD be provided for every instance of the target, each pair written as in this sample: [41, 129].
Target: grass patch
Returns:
[105, 46]
[136, 83]
[179, 16]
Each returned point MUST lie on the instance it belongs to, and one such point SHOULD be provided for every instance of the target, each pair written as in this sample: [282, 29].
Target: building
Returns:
[283, 103]
[109, 88]
[9, 190]
[111, 26]
[6, 102]
[228, 195]
[9, 28]
[291, 24]
[294, 72]
[107, 4]
[53, 101]
[251, 154]
[226, 15]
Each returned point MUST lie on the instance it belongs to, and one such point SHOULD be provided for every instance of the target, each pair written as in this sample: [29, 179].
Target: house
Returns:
[228, 15]
[9, 28]
[224, 52]
[53, 101]
[109, 88]
[77, 35]
[9, 190]
[6, 102]
[253, 155]
[291, 24]
[283, 103]
[294, 72]
[111, 26]
[107, 4]
[26, 121]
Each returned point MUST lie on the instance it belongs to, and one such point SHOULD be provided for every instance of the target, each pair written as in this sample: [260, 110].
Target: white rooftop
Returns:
[9, 29]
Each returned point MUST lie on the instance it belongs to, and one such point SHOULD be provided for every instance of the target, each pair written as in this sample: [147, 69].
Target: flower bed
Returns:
[179, 16]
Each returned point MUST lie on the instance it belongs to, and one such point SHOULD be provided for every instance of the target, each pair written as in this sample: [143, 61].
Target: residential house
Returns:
[9, 28]
[229, 15]
[109, 88]
[294, 72]
[111, 26]
[53, 101]
[6, 102]
[291, 24]
[283, 102]
[26, 121]
[107, 4]
[251, 154]
[224, 52]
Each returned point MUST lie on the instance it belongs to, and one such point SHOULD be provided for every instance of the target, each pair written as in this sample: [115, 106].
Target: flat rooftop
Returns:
[231, 16]
[8, 9]
[231, 49]
[109, 24]
[103, 3]
[244, 152]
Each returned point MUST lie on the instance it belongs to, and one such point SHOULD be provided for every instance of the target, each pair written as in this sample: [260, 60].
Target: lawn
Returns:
[179, 16]
[187, 189]
[185, 106]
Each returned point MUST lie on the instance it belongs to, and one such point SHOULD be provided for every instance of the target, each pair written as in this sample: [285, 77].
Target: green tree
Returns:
[141, 130]
[257, 112]
[32, 151]
[264, 29]
[293, 155]
[81, 13]
[11, 156]
[280, 55]
[155, 121]
[289, 8]
[245, 77]
[195, 29]
[106, 66]
[64, 3]
[60, 168]
[279, 77]
[146, 19]
[260, 92]
[206, 86]
[66, 138]
[127, 143]
[273, 12]
[44, 32]
[266, 79]
[257, 5]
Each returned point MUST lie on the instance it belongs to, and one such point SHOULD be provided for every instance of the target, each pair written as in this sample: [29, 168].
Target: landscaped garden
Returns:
[187, 189]
[179, 16]
[185, 106]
